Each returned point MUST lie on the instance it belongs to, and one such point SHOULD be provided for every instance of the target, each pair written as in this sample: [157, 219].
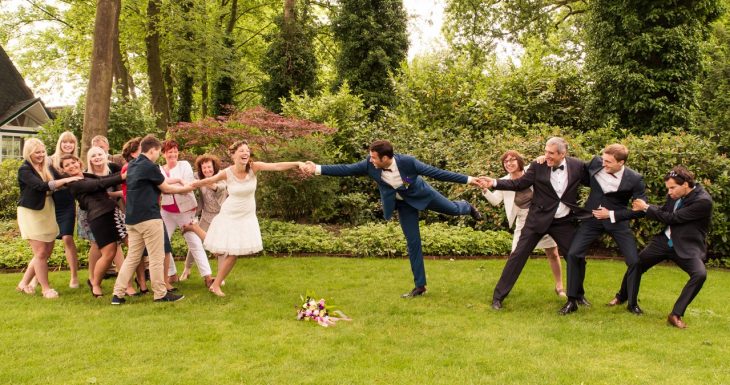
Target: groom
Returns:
[403, 189]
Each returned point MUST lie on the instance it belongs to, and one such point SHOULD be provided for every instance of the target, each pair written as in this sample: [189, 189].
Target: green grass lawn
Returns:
[449, 336]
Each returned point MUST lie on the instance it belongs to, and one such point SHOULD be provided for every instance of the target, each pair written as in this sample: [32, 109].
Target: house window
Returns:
[12, 147]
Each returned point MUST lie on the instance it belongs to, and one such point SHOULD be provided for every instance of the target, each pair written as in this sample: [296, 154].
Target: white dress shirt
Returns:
[609, 183]
[559, 181]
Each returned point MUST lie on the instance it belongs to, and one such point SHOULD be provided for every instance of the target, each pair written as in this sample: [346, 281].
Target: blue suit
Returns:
[416, 195]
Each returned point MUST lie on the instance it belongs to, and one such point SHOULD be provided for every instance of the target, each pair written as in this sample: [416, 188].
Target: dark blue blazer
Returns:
[33, 189]
[415, 191]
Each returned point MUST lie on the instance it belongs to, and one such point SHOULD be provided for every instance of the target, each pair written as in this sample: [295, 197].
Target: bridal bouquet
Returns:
[318, 311]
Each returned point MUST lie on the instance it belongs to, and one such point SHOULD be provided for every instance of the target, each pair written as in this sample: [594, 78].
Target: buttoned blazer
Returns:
[415, 191]
[185, 202]
[631, 187]
[689, 223]
[545, 200]
[33, 189]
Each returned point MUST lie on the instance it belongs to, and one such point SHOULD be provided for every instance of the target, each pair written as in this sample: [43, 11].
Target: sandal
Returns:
[185, 274]
[50, 294]
[561, 293]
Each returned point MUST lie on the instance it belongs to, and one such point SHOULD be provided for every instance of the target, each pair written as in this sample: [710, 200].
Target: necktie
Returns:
[677, 205]
[613, 175]
[561, 167]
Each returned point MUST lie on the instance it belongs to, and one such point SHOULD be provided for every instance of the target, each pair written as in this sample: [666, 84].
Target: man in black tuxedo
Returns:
[555, 193]
[687, 214]
[613, 186]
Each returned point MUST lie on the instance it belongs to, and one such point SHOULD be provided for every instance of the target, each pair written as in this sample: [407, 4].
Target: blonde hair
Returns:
[92, 151]
[66, 136]
[31, 145]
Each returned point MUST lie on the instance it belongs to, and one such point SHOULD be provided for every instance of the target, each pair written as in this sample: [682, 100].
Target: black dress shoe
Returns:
[634, 309]
[582, 301]
[475, 213]
[497, 304]
[568, 308]
[415, 292]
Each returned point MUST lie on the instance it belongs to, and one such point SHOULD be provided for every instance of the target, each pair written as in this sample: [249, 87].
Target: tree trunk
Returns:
[223, 92]
[160, 105]
[99, 91]
[121, 75]
[289, 14]
[185, 87]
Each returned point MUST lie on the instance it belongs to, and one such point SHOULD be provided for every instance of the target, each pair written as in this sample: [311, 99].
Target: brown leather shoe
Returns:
[676, 321]
[614, 302]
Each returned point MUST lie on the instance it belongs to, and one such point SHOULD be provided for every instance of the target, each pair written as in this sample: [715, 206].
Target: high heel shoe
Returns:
[561, 293]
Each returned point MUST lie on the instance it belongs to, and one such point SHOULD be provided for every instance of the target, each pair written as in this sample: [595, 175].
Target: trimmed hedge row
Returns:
[374, 240]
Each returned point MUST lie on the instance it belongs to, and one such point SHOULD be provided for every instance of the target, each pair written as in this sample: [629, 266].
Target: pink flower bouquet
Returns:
[318, 311]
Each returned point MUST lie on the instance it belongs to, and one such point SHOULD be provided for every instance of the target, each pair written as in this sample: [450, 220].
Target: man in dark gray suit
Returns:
[555, 186]
[687, 214]
[613, 186]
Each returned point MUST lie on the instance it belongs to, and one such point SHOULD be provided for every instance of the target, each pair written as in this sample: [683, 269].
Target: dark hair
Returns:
[207, 158]
[516, 155]
[383, 148]
[618, 151]
[234, 147]
[129, 148]
[169, 145]
[149, 142]
[681, 175]
[67, 156]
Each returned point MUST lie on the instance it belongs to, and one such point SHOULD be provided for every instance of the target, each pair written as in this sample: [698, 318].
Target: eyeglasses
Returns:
[509, 160]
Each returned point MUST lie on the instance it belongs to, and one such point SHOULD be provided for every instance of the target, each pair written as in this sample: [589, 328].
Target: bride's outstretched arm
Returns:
[279, 166]
[221, 175]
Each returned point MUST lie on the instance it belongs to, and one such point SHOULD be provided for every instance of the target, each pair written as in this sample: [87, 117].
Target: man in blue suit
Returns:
[402, 188]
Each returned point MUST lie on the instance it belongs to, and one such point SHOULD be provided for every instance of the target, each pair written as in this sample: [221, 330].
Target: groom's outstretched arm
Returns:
[444, 175]
[354, 169]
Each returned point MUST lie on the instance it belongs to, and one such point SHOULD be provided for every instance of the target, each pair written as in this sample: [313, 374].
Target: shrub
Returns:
[9, 188]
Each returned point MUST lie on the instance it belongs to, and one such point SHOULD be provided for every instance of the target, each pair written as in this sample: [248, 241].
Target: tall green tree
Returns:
[713, 117]
[645, 57]
[290, 62]
[473, 28]
[373, 42]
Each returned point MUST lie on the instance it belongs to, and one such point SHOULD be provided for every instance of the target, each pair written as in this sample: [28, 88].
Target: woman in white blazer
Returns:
[178, 210]
[516, 206]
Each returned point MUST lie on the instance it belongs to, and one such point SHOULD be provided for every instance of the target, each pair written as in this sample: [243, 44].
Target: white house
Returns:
[21, 113]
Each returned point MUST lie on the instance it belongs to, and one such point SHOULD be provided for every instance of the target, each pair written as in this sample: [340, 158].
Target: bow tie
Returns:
[387, 169]
[561, 167]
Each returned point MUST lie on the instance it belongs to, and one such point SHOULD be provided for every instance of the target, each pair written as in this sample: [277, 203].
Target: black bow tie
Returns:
[561, 167]
[387, 169]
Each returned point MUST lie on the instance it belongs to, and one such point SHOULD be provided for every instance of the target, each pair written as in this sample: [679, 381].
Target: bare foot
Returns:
[217, 291]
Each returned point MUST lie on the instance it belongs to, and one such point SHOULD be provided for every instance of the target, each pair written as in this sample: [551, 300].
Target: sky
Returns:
[424, 29]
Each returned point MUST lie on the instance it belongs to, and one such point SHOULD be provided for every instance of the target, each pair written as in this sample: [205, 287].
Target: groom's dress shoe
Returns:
[497, 304]
[582, 301]
[569, 307]
[634, 309]
[475, 213]
[676, 321]
[415, 292]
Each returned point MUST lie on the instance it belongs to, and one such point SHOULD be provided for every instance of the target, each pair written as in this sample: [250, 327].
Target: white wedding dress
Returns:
[235, 230]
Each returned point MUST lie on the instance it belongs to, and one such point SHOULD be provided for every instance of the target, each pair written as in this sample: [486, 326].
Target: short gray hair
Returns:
[560, 142]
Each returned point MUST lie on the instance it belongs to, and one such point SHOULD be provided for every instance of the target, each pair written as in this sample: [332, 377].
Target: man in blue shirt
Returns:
[145, 182]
